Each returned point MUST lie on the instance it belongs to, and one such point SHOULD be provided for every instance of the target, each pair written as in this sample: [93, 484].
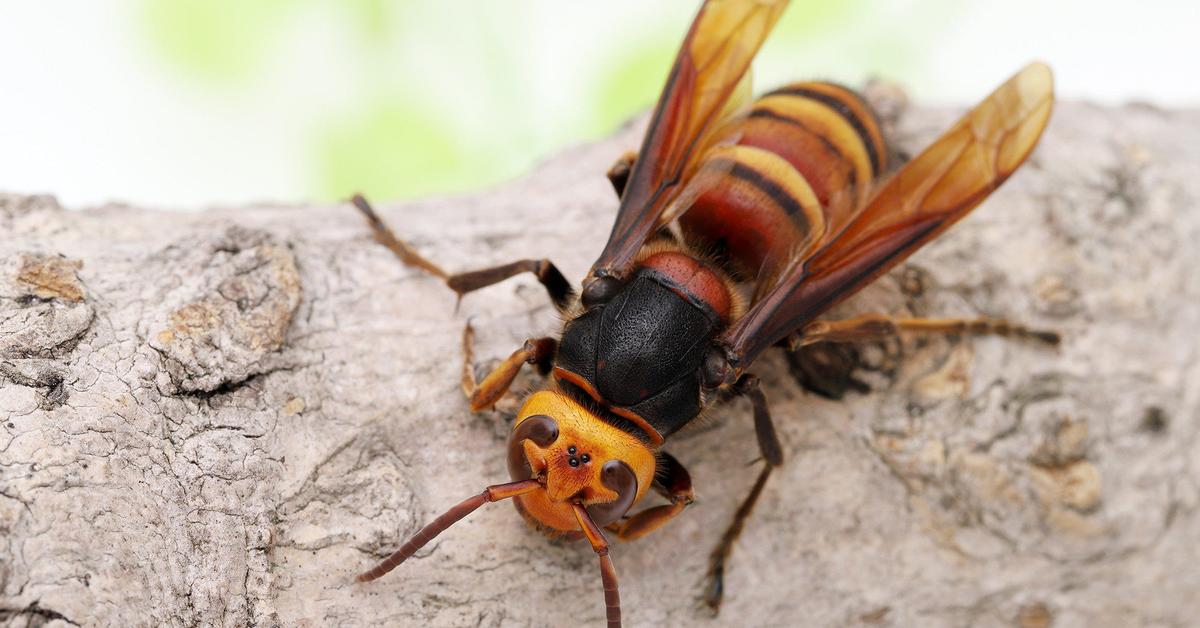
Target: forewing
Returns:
[930, 193]
[700, 91]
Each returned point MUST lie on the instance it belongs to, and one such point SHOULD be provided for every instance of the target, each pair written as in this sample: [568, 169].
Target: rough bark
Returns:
[219, 418]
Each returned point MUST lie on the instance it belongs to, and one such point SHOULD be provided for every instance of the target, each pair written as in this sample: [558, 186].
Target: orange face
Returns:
[571, 465]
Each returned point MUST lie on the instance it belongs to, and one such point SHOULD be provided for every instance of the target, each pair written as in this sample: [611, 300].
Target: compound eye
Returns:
[540, 429]
[600, 290]
[619, 477]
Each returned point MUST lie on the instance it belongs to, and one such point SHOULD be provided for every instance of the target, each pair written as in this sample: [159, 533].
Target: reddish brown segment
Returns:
[612, 596]
[829, 135]
[932, 192]
[608, 572]
[808, 150]
[851, 106]
[782, 178]
[447, 519]
[754, 207]
[708, 70]
[695, 280]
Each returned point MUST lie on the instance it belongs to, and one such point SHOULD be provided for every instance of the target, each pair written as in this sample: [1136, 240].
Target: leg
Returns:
[827, 368]
[880, 326]
[714, 589]
[764, 427]
[536, 351]
[671, 481]
[618, 175]
[772, 452]
[547, 274]
[556, 285]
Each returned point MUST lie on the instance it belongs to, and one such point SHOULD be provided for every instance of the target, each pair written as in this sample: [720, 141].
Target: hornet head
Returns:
[577, 458]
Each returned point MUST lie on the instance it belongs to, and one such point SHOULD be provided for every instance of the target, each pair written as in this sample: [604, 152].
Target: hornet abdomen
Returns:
[791, 173]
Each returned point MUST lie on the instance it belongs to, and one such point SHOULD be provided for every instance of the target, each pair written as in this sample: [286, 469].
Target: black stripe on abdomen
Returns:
[773, 190]
[762, 112]
[843, 110]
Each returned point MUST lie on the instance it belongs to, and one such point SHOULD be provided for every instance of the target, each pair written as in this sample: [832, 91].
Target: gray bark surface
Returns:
[220, 418]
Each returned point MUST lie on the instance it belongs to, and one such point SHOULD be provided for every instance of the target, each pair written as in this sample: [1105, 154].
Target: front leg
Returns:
[536, 351]
[671, 480]
[547, 273]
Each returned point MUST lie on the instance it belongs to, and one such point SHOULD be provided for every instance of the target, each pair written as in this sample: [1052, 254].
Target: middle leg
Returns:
[714, 588]
[772, 453]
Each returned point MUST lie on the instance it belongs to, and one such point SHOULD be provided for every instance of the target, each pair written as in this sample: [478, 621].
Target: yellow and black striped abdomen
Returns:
[804, 158]
[826, 131]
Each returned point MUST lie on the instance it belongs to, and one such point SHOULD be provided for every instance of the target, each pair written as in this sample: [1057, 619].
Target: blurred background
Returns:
[185, 104]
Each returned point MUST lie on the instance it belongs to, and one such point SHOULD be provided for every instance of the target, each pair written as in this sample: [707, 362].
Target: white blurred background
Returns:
[192, 103]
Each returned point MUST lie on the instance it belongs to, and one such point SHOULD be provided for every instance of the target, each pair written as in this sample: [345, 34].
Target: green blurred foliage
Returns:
[374, 16]
[400, 139]
[631, 84]
[639, 67]
[813, 19]
[394, 150]
[217, 40]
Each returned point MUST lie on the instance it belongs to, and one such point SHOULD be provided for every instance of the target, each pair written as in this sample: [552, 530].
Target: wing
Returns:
[709, 69]
[930, 193]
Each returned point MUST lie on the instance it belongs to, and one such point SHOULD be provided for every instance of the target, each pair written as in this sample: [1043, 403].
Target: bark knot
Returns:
[230, 315]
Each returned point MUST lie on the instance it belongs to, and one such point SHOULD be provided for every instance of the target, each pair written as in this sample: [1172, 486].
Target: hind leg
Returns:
[881, 326]
[827, 368]
[824, 355]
